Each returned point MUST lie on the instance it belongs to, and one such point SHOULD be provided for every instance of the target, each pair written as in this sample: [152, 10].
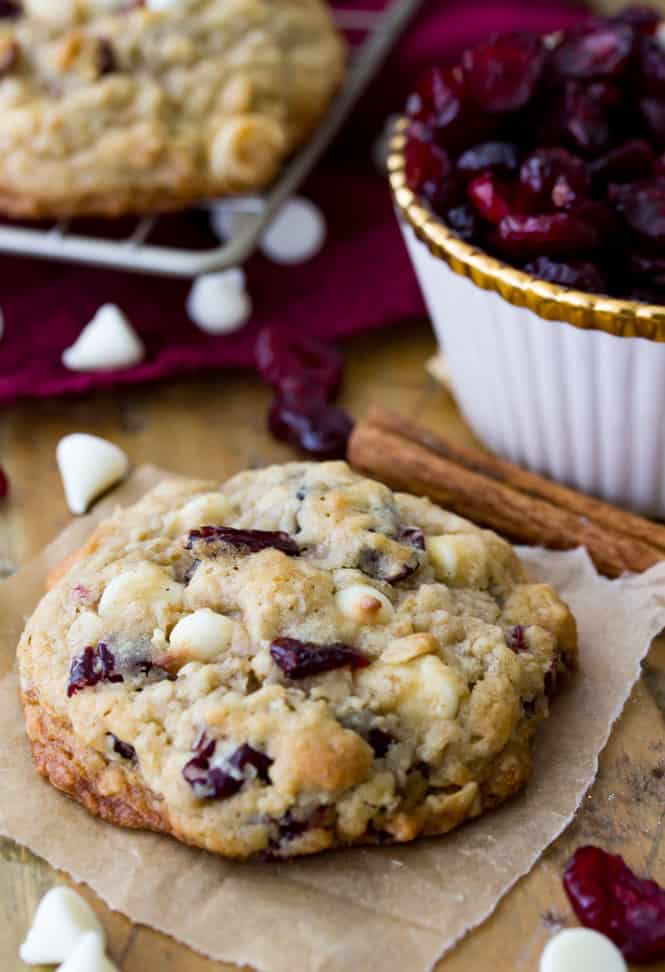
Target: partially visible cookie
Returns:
[297, 660]
[111, 106]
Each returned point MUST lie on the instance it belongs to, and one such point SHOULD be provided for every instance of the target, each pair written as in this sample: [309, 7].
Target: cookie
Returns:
[111, 107]
[297, 660]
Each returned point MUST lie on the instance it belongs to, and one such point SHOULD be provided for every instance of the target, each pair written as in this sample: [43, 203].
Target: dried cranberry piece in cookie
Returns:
[302, 659]
[412, 537]
[219, 782]
[105, 59]
[92, 666]
[608, 897]
[580, 274]
[601, 49]
[381, 566]
[516, 639]
[311, 425]
[126, 750]
[380, 742]
[215, 538]
[504, 73]
[296, 364]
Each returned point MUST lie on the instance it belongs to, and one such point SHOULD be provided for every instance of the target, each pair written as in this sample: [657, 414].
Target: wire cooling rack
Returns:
[64, 242]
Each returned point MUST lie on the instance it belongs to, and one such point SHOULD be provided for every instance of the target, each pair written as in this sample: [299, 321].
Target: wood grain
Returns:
[216, 427]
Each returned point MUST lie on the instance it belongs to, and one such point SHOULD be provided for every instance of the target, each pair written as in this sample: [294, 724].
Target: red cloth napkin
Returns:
[361, 280]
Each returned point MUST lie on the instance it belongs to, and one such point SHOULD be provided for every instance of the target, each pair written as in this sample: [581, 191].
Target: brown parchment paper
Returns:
[387, 908]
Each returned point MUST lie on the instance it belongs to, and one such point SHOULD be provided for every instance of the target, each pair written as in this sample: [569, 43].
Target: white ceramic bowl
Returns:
[569, 384]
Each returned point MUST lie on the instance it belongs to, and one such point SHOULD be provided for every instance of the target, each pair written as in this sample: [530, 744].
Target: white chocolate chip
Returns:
[209, 509]
[459, 558]
[106, 343]
[88, 466]
[364, 604]
[218, 303]
[163, 4]
[423, 690]
[412, 646]
[297, 233]
[60, 921]
[202, 636]
[581, 950]
[144, 583]
[88, 956]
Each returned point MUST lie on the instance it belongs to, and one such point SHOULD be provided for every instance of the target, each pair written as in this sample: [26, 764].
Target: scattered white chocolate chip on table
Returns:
[61, 920]
[88, 466]
[89, 956]
[581, 950]
[108, 342]
[218, 303]
[364, 604]
[297, 233]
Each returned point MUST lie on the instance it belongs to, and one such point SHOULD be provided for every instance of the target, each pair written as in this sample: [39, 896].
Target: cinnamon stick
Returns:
[410, 466]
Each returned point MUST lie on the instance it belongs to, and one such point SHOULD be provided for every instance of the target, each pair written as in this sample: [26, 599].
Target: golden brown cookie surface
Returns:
[296, 660]
[113, 107]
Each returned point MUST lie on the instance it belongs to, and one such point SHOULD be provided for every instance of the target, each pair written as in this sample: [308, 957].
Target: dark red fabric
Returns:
[362, 279]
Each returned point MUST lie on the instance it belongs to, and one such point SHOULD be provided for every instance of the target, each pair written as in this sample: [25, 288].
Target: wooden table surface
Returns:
[215, 427]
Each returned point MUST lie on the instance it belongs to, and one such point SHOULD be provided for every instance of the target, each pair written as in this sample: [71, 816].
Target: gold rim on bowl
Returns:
[552, 302]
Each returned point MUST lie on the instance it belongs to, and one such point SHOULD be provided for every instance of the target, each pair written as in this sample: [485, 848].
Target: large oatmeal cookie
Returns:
[300, 659]
[110, 106]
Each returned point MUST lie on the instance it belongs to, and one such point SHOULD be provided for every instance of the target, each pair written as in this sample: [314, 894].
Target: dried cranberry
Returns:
[580, 274]
[10, 8]
[596, 50]
[648, 266]
[4, 485]
[380, 742]
[504, 73]
[426, 169]
[635, 159]
[220, 782]
[126, 750]
[551, 178]
[106, 62]
[438, 102]
[517, 639]
[497, 156]
[301, 659]
[412, 537]
[463, 220]
[92, 666]
[245, 541]
[381, 567]
[652, 67]
[640, 17]
[319, 429]
[608, 897]
[490, 197]
[642, 205]
[296, 364]
[653, 113]
[584, 120]
[547, 233]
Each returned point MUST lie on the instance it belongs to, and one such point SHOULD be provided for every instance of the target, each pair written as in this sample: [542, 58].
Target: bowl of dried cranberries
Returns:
[529, 181]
